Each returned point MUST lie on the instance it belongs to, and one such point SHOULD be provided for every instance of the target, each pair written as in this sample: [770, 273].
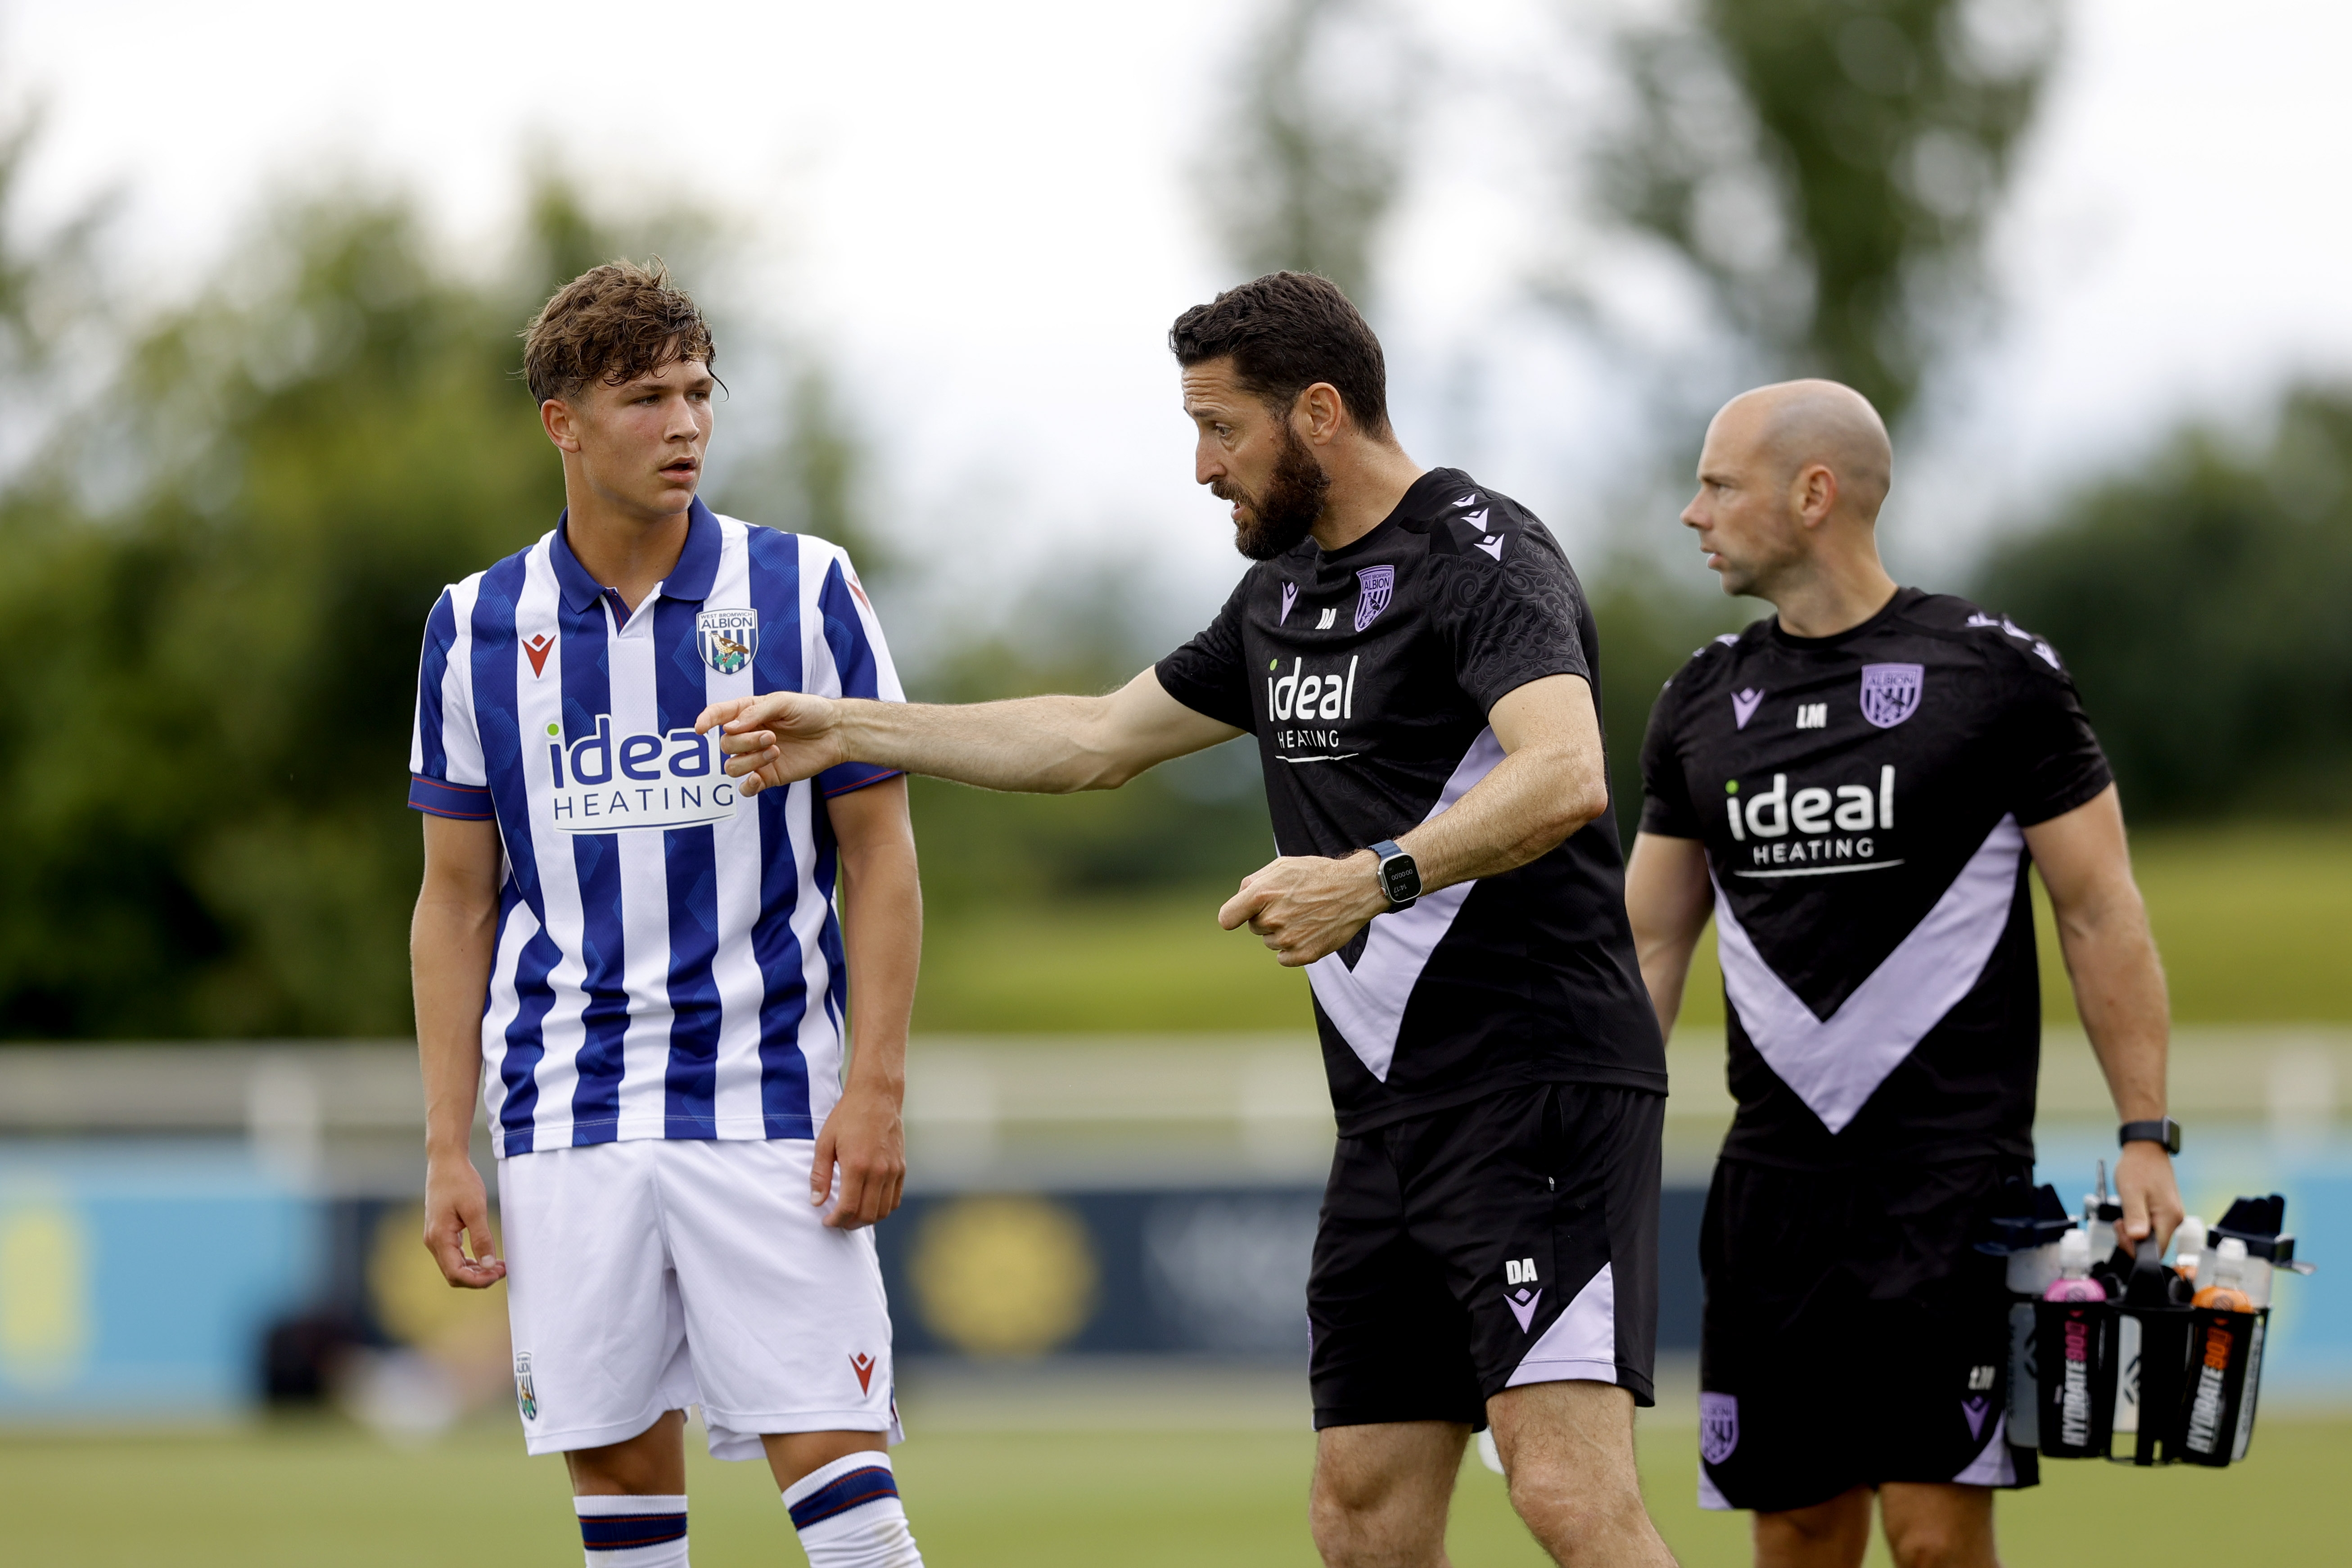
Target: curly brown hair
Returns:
[612, 323]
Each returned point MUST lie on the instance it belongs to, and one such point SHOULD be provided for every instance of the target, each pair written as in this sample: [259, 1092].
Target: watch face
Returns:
[1399, 879]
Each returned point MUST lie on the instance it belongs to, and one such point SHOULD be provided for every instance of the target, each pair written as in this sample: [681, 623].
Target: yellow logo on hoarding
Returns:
[45, 1326]
[1004, 1276]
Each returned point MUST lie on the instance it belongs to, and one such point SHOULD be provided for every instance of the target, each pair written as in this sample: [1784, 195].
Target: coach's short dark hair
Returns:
[1285, 332]
[612, 323]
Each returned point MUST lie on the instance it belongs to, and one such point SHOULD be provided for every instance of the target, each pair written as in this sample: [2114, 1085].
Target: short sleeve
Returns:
[1512, 620]
[1666, 807]
[861, 660]
[1208, 674]
[2056, 762]
[445, 774]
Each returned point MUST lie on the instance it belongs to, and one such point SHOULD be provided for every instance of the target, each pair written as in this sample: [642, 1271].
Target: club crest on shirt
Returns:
[1375, 585]
[1890, 692]
[1718, 1426]
[727, 640]
[526, 1397]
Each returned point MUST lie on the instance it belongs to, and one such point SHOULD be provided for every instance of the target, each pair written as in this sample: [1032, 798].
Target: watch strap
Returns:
[1382, 853]
[2164, 1130]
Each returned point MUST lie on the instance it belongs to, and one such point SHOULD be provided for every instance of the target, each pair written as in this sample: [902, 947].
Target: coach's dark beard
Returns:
[1273, 524]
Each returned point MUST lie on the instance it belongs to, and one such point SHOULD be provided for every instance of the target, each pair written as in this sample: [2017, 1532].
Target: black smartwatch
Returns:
[2164, 1130]
[1400, 878]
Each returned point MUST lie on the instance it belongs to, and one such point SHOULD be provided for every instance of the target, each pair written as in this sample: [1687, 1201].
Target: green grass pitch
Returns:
[309, 1494]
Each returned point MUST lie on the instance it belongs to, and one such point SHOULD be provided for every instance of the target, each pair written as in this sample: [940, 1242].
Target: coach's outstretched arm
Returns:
[451, 942]
[2118, 989]
[1037, 745]
[1550, 783]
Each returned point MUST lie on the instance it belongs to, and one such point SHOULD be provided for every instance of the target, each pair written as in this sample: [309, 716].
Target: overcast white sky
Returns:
[982, 213]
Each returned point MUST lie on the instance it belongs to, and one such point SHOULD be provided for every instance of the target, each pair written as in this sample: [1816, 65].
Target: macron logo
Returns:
[1289, 598]
[1743, 706]
[1524, 1300]
[537, 650]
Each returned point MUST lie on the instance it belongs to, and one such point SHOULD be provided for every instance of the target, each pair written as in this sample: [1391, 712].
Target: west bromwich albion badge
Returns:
[1890, 692]
[728, 639]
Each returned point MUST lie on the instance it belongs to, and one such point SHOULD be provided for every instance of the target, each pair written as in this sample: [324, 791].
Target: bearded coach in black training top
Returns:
[1853, 788]
[1413, 655]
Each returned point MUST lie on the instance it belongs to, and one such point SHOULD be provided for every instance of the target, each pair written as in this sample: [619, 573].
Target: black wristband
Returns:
[2164, 1130]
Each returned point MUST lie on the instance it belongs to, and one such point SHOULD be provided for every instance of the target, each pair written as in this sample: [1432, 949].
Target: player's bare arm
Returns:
[1668, 897]
[2118, 989]
[1550, 783]
[864, 1141]
[449, 944]
[1044, 745]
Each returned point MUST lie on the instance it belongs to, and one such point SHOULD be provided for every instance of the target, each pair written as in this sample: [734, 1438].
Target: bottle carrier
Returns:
[2144, 1377]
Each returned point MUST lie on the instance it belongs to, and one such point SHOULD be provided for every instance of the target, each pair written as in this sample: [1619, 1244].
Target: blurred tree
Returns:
[1827, 167]
[1309, 157]
[2200, 602]
[48, 298]
[311, 451]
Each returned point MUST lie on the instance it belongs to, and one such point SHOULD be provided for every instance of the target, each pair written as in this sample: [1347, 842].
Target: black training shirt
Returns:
[1366, 674]
[1861, 798]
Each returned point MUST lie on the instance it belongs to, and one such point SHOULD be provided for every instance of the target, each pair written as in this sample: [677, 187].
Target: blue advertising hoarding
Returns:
[137, 1279]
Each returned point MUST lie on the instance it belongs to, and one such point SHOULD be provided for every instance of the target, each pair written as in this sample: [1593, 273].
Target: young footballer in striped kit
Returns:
[640, 973]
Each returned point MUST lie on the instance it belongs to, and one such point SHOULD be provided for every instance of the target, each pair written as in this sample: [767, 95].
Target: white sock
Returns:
[848, 1516]
[633, 1532]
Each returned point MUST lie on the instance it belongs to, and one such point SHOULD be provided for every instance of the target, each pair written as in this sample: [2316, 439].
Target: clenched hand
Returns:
[1305, 906]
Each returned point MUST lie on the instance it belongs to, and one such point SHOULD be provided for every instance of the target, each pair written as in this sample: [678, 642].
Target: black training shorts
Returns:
[1510, 1241]
[1853, 1336]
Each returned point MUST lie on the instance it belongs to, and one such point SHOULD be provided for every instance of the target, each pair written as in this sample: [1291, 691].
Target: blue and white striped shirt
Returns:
[669, 964]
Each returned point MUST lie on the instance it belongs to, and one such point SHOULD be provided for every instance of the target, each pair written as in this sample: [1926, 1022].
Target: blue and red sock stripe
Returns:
[618, 1531]
[869, 1483]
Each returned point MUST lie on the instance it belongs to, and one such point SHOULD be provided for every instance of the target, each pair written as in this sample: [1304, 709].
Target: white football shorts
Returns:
[655, 1273]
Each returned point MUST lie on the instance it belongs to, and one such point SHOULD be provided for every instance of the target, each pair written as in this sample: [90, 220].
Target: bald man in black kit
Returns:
[1853, 789]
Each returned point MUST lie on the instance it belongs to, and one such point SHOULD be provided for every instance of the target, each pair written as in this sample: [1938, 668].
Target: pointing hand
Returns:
[775, 739]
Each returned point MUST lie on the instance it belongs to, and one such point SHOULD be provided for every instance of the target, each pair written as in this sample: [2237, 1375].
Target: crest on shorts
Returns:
[727, 640]
[1718, 1426]
[526, 1397]
[1890, 692]
[1375, 585]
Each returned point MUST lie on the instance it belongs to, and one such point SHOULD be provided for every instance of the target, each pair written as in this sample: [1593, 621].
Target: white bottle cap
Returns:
[2189, 1238]
[2229, 1262]
[2074, 1255]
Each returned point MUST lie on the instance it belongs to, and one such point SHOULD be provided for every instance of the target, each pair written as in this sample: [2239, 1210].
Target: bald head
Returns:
[1793, 424]
[1789, 484]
